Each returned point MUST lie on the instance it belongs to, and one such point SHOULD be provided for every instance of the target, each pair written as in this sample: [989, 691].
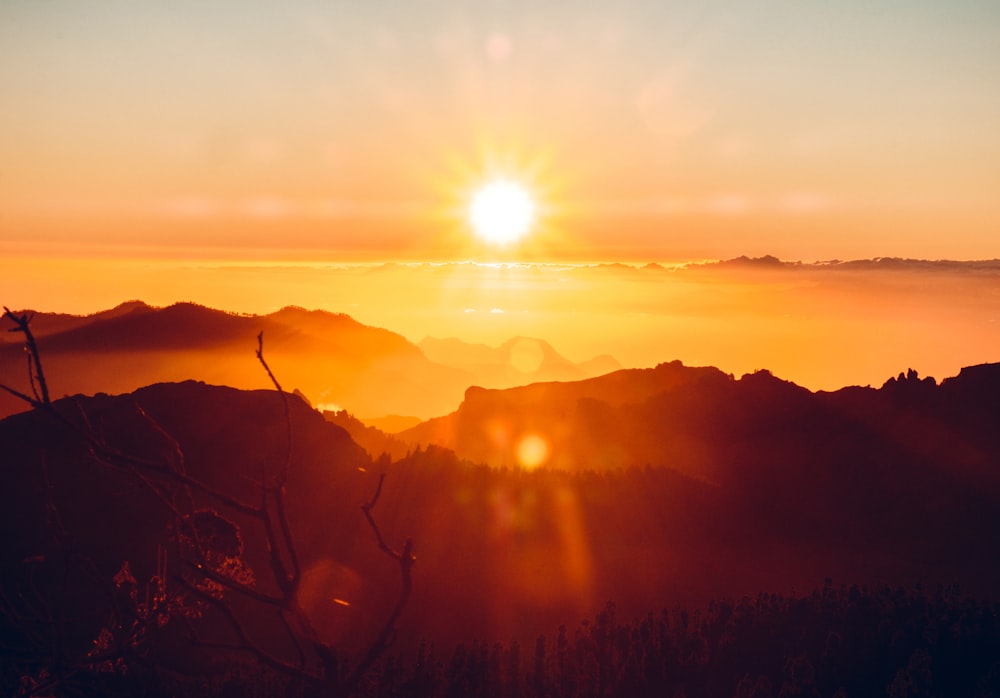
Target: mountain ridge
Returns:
[677, 416]
[339, 362]
[806, 486]
[516, 361]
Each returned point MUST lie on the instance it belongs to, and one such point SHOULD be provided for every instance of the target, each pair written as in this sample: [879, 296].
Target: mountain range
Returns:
[672, 484]
[517, 361]
[335, 361]
[529, 505]
[706, 423]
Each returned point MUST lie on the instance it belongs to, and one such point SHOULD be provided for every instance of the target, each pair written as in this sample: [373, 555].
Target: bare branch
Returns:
[367, 509]
[114, 457]
[31, 375]
[245, 644]
[281, 575]
[283, 473]
[21, 396]
[286, 533]
[175, 447]
[21, 324]
[287, 582]
[260, 357]
[405, 559]
[202, 568]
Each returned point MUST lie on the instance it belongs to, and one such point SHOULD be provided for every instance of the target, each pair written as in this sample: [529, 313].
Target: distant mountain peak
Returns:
[331, 357]
[767, 261]
[518, 360]
[128, 307]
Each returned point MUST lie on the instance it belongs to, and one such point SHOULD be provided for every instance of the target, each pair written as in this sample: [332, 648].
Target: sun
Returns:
[501, 212]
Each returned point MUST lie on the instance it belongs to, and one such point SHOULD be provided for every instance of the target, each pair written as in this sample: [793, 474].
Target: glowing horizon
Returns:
[812, 324]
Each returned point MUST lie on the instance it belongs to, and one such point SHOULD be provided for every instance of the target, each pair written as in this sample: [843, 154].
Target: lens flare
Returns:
[532, 451]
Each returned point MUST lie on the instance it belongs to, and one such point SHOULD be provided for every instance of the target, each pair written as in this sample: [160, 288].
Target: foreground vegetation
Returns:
[834, 642]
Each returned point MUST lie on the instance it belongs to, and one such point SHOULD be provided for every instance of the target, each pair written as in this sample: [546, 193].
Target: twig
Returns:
[287, 581]
[202, 567]
[245, 644]
[260, 357]
[31, 375]
[367, 509]
[21, 396]
[112, 456]
[34, 362]
[405, 559]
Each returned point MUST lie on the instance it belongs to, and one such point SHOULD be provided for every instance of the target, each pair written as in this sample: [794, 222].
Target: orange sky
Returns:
[235, 154]
[648, 131]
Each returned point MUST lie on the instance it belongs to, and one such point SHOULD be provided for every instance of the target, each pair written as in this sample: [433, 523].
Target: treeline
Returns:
[846, 641]
[507, 553]
[836, 642]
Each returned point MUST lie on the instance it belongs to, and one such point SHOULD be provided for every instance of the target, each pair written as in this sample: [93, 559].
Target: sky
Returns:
[251, 155]
[646, 131]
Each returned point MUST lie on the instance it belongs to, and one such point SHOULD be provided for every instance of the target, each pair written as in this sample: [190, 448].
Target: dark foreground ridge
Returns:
[895, 486]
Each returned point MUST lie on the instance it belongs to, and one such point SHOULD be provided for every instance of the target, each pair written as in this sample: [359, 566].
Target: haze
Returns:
[823, 326]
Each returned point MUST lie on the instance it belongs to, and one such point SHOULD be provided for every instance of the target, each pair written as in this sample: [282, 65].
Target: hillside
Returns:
[337, 362]
[908, 472]
[333, 359]
[707, 424]
[895, 485]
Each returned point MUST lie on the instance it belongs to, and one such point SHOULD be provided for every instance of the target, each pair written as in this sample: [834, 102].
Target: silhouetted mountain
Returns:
[894, 264]
[230, 440]
[489, 423]
[600, 365]
[910, 468]
[517, 361]
[47, 324]
[372, 439]
[896, 484]
[334, 359]
[765, 262]
[392, 423]
[699, 420]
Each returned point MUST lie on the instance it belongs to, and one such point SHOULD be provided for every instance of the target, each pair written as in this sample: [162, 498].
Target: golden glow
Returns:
[501, 212]
[526, 355]
[644, 316]
[532, 451]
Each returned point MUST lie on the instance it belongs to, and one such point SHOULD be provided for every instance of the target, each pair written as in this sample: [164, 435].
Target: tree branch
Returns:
[405, 559]
[260, 357]
[21, 396]
[288, 582]
[245, 644]
[21, 324]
